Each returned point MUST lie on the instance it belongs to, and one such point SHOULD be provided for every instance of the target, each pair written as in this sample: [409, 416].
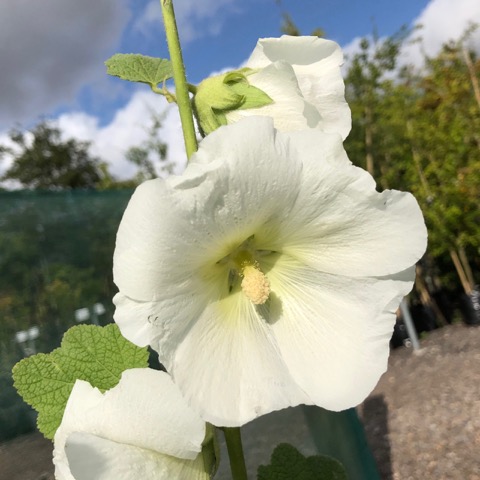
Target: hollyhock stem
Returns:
[179, 77]
[235, 453]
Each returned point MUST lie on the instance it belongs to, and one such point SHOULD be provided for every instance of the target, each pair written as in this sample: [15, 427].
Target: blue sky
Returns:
[52, 54]
[227, 38]
[241, 25]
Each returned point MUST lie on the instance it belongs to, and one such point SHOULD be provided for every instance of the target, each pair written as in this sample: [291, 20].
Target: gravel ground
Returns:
[422, 421]
[423, 418]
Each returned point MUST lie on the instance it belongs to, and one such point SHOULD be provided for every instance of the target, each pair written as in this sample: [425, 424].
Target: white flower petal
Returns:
[91, 457]
[150, 323]
[361, 240]
[357, 229]
[145, 410]
[334, 331]
[305, 53]
[139, 270]
[226, 363]
[136, 320]
[173, 233]
[316, 63]
[229, 368]
[211, 209]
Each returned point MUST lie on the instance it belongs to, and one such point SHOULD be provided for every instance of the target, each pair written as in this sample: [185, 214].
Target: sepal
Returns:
[224, 93]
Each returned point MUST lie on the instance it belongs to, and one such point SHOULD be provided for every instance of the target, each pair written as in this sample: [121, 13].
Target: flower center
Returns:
[242, 264]
[255, 284]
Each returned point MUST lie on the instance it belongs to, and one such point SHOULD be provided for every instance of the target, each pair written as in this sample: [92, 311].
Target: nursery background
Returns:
[75, 143]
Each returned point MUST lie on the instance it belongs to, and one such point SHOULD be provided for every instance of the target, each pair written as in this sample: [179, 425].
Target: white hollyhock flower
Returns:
[268, 274]
[140, 429]
[302, 76]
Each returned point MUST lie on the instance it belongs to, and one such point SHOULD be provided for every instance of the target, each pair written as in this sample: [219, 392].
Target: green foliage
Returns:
[288, 463]
[150, 155]
[140, 68]
[56, 256]
[97, 355]
[48, 162]
[365, 81]
[445, 131]
[289, 27]
[418, 131]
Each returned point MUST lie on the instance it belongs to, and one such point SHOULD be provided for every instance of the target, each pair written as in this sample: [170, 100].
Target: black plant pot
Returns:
[470, 307]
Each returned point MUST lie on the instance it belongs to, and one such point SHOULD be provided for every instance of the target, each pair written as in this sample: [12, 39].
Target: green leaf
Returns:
[95, 354]
[288, 463]
[140, 68]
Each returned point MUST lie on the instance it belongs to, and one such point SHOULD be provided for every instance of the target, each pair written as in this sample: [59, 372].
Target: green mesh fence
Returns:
[56, 253]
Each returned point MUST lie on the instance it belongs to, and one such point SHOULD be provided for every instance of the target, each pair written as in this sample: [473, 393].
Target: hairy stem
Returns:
[179, 77]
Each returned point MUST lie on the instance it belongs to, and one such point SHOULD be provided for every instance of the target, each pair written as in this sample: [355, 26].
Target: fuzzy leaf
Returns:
[288, 463]
[139, 68]
[97, 355]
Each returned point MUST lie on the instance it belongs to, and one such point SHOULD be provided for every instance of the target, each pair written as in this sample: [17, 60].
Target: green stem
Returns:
[235, 453]
[179, 77]
[192, 88]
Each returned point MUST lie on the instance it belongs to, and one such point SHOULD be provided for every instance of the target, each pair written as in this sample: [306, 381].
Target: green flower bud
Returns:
[224, 93]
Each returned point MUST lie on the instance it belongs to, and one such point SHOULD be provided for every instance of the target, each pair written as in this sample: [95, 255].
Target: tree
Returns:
[445, 126]
[48, 162]
[365, 91]
[289, 27]
[150, 156]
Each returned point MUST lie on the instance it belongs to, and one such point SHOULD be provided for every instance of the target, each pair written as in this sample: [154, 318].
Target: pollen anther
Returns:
[255, 285]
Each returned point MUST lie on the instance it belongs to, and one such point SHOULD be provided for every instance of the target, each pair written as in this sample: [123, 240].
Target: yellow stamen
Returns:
[255, 285]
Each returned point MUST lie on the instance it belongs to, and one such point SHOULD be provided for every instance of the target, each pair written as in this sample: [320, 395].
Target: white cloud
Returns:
[194, 18]
[445, 20]
[6, 158]
[49, 49]
[442, 21]
[128, 128]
